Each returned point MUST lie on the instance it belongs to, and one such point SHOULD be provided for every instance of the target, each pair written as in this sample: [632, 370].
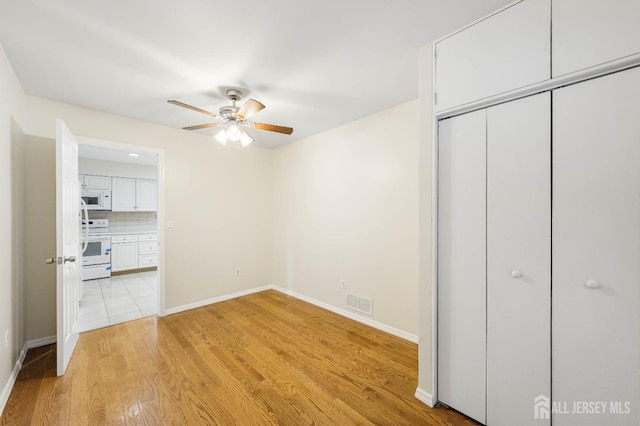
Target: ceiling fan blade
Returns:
[191, 107]
[248, 109]
[201, 126]
[273, 128]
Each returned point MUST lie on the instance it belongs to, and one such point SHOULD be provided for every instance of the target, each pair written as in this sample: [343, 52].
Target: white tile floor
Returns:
[121, 298]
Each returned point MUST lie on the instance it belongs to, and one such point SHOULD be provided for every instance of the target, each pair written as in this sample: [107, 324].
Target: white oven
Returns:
[96, 199]
[98, 250]
[96, 254]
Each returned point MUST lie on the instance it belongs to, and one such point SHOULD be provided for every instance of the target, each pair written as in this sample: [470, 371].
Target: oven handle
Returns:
[85, 243]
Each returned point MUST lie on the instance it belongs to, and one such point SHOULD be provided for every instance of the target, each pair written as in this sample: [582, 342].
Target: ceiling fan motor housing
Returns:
[228, 111]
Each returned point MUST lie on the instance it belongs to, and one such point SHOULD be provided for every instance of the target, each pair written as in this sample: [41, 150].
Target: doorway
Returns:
[122, 261]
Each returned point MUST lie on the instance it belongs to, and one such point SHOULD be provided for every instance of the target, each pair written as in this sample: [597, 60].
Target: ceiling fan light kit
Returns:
[233, 119]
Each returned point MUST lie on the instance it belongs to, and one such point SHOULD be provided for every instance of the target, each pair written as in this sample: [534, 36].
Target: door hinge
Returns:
[435, 98]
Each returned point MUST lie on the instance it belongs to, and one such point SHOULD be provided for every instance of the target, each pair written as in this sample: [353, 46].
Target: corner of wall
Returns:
[12, 227]
[425, 265]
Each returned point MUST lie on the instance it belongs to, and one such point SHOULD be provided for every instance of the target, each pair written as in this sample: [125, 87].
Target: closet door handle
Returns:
[516, 274]
[592, 284]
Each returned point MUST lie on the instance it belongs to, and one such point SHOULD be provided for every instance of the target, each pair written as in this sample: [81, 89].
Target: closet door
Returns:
[518, 259]
[462, 263]
[596, 249]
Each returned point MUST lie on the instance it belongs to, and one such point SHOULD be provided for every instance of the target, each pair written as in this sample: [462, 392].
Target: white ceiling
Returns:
[315, 65]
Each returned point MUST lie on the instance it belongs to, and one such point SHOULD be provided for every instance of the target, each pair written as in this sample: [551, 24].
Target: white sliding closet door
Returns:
[596, 249]
[518, 259]
[462, 263]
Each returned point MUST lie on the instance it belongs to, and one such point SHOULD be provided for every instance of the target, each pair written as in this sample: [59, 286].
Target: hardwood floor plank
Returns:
[35, 368]
[265, 358]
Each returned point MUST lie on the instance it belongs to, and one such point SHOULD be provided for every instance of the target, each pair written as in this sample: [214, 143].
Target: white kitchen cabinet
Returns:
[146, 195]
[123, 195]
[505, 51]
[134, 195]
[596, 247]
[96, 182]
[143, 238]
[124, 252]
[462, 264]
[148, 250]
[592, 32]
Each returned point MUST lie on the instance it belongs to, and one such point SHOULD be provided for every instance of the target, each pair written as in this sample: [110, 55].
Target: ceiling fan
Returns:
[234, 119]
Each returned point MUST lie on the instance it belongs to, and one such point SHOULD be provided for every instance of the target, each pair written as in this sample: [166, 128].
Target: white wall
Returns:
[346, 207]
[12, 257]
[115, 168]
[218, 197]
[356, 186]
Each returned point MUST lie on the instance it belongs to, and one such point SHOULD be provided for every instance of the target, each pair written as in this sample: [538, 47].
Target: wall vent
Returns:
[360, 304]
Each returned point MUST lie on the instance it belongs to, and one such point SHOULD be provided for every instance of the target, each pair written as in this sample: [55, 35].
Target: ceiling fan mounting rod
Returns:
[234, 95]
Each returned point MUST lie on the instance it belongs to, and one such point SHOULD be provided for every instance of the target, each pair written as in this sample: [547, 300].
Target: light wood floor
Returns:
[265, 358]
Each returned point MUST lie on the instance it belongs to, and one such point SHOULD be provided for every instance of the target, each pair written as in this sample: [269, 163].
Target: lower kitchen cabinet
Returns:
[134, 251]
[124, 252]
[147, 250]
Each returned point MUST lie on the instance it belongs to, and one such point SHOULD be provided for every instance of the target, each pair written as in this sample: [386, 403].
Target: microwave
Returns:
[96, 199]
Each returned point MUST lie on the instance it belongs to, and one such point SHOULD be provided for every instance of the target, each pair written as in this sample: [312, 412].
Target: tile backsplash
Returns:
[118, 219]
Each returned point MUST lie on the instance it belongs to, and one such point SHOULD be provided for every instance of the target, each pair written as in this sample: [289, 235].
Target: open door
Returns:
[67, 243]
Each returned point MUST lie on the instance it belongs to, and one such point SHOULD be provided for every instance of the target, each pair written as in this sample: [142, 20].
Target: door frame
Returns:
[83, 140]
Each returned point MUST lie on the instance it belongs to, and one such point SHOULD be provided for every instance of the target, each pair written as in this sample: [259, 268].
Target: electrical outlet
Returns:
[237, 271]
[343, 283]
[169, 225]
[6, 338]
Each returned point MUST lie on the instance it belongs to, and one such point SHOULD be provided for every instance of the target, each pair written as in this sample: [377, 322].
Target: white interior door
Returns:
[68, 243]
[462, 263]
[518, 259]
[596, 249]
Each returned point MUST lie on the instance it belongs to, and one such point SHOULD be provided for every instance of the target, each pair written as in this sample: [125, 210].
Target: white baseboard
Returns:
[202, 303]
[36, 343]
[424, 396]
[8, 387]
[343, 312]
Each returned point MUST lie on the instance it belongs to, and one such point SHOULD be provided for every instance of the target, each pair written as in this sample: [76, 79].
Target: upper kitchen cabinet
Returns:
[505, 51]
[146, 195]
[592, 32]
[123, 196]
[95, 182]
[134, 195]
